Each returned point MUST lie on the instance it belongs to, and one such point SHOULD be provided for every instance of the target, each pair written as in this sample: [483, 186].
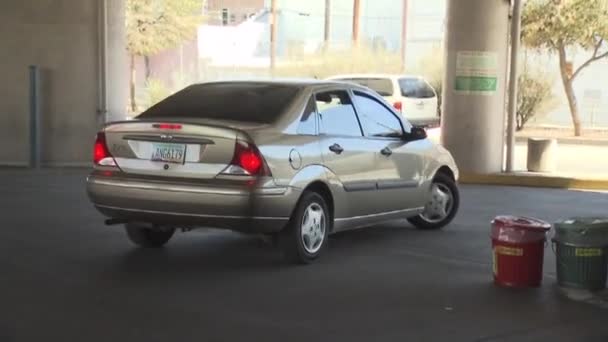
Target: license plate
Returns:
[169, 153]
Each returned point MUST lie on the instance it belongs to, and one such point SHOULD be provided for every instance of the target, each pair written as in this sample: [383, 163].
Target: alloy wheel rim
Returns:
[440, 204]
[313, 228]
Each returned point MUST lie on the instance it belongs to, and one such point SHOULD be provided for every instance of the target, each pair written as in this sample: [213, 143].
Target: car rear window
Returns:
[249, 102]
[415, 88]
[382, 86]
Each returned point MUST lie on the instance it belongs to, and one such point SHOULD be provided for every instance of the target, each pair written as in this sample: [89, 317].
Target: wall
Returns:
[239, 10]
[62, 37]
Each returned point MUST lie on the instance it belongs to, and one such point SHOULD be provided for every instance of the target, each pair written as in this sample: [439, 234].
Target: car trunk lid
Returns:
[193, 149]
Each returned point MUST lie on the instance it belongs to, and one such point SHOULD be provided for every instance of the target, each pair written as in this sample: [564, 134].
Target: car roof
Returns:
[290, 82]
[276, 81]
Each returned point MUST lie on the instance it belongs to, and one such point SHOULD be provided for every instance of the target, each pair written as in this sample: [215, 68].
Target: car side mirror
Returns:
[416, 133]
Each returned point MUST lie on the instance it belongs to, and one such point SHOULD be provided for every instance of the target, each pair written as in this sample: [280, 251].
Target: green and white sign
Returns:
[476, 72]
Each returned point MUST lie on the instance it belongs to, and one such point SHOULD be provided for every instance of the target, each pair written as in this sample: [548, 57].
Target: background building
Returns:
[301, 29]
[231, 12]
[302, 24]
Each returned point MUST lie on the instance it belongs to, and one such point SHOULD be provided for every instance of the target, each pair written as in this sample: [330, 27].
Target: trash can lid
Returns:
[584, 223]
[522, 223]
[591, 231]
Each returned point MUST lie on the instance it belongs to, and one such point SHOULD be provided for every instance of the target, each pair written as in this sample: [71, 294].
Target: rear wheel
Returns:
[148, 237]
[442, 205]
[305, 236]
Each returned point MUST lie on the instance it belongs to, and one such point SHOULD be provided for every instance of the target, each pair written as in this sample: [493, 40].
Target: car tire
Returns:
[147, 237]
[447, 186]
[305, 236]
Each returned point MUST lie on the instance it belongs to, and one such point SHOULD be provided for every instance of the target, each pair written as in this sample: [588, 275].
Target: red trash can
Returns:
[518, 248]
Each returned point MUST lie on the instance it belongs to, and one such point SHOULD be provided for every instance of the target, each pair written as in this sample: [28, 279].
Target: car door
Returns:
[344, 150]
[398, 162]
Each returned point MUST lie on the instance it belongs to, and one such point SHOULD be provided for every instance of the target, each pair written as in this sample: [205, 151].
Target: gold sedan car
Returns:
[297, 160]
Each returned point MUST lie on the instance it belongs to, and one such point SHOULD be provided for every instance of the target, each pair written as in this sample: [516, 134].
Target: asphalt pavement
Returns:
[64, 276]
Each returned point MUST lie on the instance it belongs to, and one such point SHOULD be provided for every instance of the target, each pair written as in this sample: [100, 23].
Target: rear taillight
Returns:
[398, 106]
[168, 126]
[247, 161]
[101, 154]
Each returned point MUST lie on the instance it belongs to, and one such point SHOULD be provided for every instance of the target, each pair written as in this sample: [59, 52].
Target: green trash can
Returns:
[581, 251]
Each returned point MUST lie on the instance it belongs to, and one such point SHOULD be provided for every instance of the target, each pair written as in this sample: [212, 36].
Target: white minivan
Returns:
[411, 95]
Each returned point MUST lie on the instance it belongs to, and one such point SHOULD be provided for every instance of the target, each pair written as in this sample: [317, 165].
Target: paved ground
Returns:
[573, 159]
[66, 277]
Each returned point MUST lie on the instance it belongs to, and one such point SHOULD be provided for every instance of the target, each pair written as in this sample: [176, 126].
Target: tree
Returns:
[563, 26]
[157, 25]
[534, 94]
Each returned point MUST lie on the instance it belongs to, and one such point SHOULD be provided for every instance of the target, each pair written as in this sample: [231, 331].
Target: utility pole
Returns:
[327, 33]
[273, 34]
[404, 35]
[513, 78]
[356, 16]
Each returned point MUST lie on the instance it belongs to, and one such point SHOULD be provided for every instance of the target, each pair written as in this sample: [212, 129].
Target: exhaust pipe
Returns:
[114, 222]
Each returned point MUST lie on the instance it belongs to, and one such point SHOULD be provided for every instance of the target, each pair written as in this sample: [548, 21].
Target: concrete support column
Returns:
[117, 68]
[474, 85]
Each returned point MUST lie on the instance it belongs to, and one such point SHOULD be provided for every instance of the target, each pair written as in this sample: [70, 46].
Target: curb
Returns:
[535, 181]
[568, 141]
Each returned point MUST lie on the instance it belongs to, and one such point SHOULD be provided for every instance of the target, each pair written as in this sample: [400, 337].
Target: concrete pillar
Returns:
[60, 38]
[117, 68]
[474, 85]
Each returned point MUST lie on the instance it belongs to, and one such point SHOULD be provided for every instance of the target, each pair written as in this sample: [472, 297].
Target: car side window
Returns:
[308, 123]
[337, 114]
[382, 86]
[376, 119]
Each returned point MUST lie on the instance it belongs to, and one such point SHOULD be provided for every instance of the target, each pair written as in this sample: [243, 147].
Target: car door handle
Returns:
[337, 149]
[386, 151]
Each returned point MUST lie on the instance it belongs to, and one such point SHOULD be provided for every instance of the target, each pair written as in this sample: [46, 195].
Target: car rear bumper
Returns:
[250, 210]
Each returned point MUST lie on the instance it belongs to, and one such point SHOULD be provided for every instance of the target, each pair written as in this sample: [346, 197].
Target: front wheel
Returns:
[148, 237]
[442, 205]
[306, 234]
